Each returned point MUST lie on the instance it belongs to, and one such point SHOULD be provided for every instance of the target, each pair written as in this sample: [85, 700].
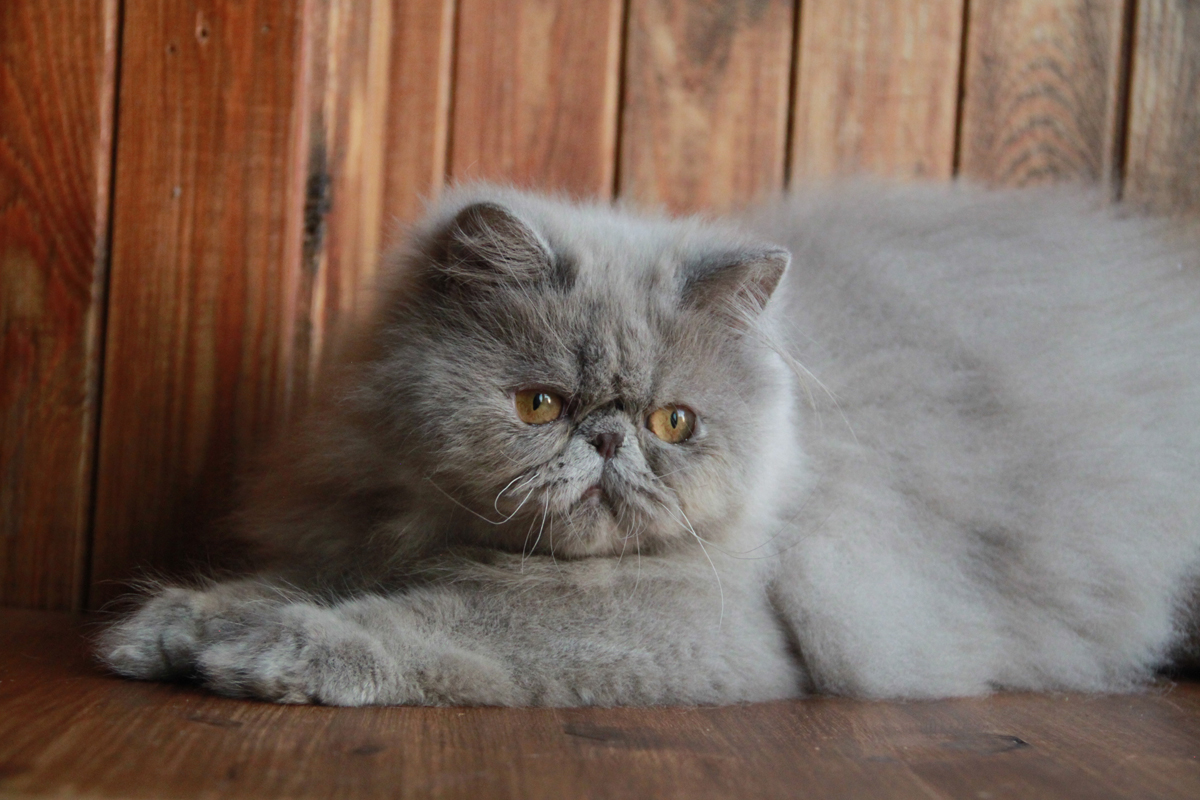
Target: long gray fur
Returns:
[956, 449]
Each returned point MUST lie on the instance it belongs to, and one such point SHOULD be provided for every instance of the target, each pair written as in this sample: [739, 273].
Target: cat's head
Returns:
[575, 379]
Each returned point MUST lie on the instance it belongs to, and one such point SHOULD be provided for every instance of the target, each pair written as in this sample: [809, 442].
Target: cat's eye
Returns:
[537, 406]
[673, 424]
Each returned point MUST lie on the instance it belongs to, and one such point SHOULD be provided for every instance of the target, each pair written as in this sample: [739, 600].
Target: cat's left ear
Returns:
[736, 283]
[487, 244]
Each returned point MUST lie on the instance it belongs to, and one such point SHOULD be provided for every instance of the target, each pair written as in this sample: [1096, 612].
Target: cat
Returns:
[883, 441]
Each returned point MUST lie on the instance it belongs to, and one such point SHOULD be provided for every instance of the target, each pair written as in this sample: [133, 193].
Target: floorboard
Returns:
[68, 729]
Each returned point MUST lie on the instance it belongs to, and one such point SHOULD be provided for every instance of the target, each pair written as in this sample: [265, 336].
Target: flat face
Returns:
[570, 386]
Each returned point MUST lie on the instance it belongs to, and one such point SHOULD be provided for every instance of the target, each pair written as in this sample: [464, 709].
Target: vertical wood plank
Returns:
[200, 317]
[344, 102]
[877, 88]
[535, 93]
[704, 123]
[1043, 91]
[57, 64]
[1163, 161]
[418, 108]
[57, 83]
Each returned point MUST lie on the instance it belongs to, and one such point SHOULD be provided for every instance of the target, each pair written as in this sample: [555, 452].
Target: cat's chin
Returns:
[592, 528]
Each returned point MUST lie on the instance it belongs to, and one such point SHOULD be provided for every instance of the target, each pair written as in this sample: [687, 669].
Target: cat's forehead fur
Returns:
[611, 325]
[607, 235]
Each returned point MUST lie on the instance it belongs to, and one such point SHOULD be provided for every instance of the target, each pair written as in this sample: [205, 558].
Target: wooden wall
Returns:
[194, 193]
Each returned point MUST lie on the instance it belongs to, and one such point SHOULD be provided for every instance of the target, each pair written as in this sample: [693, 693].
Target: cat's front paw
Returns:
[243, 643]
[250, 647]
[297, 653]
[159, 641]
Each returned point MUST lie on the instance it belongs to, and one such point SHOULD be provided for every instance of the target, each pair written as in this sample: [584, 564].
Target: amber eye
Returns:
[672, 424]
[537, 406]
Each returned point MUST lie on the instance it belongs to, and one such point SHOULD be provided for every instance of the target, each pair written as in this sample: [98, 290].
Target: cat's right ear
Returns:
[735, 284]
[486, 244]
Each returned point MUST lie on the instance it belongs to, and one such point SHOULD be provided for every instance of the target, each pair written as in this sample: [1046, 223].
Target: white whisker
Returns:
[637, 540]
[496, 502]
[545, 510]
[720, 588]
[470, 510]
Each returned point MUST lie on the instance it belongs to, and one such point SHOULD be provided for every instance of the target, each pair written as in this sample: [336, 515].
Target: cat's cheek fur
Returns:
[740, 503]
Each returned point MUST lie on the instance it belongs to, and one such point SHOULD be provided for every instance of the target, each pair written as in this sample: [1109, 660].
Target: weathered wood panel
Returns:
[535, 93]
[57, 64]
[345, 79]
[877, 88]
[704, 123]
[267, 153]
[1044, 91]
[418, 108]
[200, 302]
[1163, 163]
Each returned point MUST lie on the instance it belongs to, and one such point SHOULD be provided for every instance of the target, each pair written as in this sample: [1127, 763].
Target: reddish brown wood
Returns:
[344, 100]
[67, 730]
[1163, 163]
[418, 109]
[200, 304]
[1044, 91]
[535, 93]
[877, 88]
[57, 65]
[704, 123]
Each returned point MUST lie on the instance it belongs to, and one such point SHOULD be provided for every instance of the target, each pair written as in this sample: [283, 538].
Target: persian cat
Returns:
[881, 441]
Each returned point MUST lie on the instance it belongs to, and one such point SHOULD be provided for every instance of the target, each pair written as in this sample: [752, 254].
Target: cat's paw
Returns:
[297, 653]
[160, 640]
[304, 653]
[242, 644]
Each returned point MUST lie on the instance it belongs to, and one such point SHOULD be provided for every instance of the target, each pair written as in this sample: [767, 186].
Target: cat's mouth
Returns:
[597, 498]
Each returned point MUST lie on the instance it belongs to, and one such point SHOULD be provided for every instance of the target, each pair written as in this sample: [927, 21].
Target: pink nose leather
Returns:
[607, 444]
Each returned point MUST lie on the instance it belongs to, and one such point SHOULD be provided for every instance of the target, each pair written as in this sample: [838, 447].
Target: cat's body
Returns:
[984, 475]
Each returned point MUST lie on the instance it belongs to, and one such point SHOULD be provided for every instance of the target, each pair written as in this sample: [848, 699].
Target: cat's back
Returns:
[1001, 420]
[995, 271]
[1035, 298]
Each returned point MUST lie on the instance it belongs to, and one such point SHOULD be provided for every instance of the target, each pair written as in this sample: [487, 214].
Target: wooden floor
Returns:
[67, 729]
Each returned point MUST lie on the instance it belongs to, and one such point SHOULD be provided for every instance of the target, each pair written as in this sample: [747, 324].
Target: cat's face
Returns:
[568, 380]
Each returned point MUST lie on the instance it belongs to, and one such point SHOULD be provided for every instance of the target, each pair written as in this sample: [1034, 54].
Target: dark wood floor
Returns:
[67, 729]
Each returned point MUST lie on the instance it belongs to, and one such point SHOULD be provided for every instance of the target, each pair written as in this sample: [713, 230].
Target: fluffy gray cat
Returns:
[586, 456]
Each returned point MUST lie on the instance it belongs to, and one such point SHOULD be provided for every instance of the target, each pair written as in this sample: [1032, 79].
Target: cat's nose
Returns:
[607, 444]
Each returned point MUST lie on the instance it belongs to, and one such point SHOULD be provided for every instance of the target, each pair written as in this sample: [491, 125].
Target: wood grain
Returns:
[877, 88]
[200, 301]
[344, 91]
[535, 93]
[418, 109]
[1044, 91]
[704, 122]
[1162, 169]
[66, 730]
[57, 63]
